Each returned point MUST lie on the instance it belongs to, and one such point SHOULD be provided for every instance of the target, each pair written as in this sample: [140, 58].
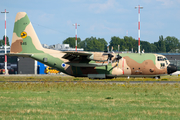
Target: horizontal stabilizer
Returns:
[19, 54]
[87, 64]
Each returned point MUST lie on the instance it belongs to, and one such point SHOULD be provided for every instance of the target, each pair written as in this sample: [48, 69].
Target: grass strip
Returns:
[70, 78]
[89, 101]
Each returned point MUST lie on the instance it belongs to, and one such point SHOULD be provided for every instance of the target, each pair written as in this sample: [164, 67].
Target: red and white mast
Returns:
[76, 33]
[139, 7]
[6, 71]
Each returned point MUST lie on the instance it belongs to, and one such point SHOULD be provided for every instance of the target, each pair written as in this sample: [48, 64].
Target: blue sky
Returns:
[53, 19]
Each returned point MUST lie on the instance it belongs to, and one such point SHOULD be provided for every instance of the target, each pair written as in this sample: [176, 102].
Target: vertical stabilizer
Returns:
[24, 38]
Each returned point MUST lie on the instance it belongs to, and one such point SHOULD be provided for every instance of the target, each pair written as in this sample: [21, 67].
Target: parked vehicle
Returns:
[50, 70]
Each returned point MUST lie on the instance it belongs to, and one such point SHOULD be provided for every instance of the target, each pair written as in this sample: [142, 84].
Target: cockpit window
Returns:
[165, 59]
[166, 63]
[160, 58]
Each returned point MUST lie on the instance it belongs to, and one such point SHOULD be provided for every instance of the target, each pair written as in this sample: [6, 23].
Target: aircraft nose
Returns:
[171, 68]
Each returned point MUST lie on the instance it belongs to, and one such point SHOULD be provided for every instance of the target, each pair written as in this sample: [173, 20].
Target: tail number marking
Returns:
[23, 43]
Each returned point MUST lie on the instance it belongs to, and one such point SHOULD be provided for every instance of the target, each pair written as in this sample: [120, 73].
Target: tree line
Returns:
[2, 42]
[168, 44]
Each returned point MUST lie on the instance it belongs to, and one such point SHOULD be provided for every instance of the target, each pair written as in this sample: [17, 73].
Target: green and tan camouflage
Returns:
[86, 64]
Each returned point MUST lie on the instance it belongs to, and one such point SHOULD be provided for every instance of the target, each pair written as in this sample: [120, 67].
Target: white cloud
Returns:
[114, 30]
[102, 7]
[1, 17]
[69, 23]
[92, 27]
[166, 3]
[147, 1]
[105, 28]
[46, 17]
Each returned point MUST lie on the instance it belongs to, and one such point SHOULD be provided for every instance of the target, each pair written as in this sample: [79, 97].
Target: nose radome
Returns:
[171, 68]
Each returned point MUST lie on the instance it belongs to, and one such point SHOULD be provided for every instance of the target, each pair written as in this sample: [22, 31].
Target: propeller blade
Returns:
[110, 56]
[118, 49]
[118, 63]
[118, 57]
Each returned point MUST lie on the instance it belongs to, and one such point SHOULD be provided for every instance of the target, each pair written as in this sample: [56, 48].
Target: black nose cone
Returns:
[171, 68]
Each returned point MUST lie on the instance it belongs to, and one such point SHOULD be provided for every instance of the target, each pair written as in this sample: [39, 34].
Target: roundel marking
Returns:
[23, 34]
[63, 65]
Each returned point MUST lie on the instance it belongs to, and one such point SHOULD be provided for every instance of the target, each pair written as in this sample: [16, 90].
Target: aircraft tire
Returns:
[109, 77]
[157, 77]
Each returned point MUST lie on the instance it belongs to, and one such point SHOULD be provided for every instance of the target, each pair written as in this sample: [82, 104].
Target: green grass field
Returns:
[70, 78]
[88, 101]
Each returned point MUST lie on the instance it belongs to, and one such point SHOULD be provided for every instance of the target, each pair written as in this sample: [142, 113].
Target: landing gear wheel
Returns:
[109, 77]
[157, 77]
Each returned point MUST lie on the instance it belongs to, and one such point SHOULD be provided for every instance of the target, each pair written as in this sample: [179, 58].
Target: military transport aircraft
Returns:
[25, 43]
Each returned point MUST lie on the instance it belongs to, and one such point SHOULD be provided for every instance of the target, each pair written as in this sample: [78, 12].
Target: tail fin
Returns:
[24, 38]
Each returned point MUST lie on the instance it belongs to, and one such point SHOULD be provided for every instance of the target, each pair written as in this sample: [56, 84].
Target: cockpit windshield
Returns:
[160, 58]
[165, 59]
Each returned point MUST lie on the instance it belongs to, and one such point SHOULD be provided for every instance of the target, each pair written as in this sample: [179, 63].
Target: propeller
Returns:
[110, 56]
[118, 57]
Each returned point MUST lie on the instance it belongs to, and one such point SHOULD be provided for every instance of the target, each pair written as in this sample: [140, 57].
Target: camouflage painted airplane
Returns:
[25, 43]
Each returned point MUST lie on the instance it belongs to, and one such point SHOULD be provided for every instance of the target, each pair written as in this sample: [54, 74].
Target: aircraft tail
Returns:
[24, 38]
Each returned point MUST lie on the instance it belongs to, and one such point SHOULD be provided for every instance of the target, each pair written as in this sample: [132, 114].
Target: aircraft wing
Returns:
[19, 54]
[86, 64]
[76, 55]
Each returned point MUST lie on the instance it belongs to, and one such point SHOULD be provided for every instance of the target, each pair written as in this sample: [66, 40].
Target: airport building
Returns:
[17, 65]
[61, 47]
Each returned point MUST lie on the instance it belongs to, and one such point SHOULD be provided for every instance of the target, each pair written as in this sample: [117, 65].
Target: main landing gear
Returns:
[157, 77]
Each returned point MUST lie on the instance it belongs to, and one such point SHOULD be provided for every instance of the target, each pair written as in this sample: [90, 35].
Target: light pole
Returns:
[76, 33]
[6, 71]
[139, 7]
